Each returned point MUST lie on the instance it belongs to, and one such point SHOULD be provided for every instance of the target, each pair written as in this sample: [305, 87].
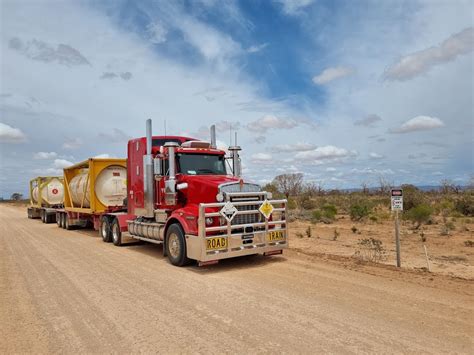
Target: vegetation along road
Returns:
[67, 291]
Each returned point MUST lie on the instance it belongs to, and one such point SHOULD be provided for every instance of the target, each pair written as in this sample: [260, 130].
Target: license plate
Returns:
[216, 243]
[275, 235]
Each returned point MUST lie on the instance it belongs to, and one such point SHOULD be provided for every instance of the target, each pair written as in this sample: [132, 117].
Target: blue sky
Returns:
[346, 92]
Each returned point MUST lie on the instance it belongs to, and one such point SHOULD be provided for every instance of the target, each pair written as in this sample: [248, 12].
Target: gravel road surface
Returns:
[67, 291]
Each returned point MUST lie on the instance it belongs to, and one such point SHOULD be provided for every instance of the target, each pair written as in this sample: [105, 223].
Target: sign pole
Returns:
[397, 239]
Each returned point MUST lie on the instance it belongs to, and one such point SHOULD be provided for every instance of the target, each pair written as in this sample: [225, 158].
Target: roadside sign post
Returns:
[397, 205]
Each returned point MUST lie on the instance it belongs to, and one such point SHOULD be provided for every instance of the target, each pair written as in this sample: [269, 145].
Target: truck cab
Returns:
[188, 195]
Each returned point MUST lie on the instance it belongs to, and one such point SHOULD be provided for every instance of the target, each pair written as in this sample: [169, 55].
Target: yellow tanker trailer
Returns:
[46, 197]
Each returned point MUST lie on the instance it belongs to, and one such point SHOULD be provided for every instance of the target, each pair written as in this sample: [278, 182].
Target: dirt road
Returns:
[67, 291]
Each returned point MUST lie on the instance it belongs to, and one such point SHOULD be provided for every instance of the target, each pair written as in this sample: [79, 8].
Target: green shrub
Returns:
[329, 211]
[306, 202]
[412, 197]
[291, 204]
[327, 214]
[419, 214]
[358, 211]
[465, 205]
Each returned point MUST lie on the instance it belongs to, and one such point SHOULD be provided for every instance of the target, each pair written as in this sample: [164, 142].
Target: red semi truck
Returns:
[185, 194]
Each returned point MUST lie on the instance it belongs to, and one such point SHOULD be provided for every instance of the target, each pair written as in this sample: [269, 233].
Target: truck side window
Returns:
[166, 167]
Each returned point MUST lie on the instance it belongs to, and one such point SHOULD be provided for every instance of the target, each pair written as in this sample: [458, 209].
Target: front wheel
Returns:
[116, 233]
[176, 245]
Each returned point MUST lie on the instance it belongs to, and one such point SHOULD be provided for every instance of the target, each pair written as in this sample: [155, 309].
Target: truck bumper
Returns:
[228, 240]
[196, 246]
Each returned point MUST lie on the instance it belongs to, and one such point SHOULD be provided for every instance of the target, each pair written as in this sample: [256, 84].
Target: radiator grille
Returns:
[247, 218]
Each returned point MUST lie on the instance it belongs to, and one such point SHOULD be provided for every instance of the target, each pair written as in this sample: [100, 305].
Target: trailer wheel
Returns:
[42, 215]
[58, 219]
[28, 211]
[116, 233]
[63, 215]
[105, 231]
[176, 245]
[67, 225]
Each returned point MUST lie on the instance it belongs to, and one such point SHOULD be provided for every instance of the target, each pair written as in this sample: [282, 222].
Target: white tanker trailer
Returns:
[46, 197]
[92, 188]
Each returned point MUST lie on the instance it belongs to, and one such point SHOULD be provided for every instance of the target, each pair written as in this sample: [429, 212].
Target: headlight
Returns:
[269, 195]
[209, 221]
[219, 197]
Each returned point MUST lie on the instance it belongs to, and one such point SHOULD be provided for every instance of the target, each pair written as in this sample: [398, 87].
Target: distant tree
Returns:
[448, 186]
[384, 185]
[365, 188]
[289, 184]
[16, 196]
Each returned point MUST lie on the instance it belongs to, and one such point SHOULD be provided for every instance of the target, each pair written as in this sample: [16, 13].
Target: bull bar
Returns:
[239, 241]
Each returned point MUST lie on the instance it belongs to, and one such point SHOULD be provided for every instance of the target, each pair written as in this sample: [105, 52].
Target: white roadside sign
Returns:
[397, 199]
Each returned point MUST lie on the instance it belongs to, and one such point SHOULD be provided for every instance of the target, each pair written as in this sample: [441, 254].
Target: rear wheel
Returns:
[116, 233]
[63, 216]
[67, 224]
[105, 231]
[58, 219]
[43, 216]
[176, 245]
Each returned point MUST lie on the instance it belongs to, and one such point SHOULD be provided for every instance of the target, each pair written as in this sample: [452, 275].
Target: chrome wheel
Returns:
[173, 245]
[116, 233]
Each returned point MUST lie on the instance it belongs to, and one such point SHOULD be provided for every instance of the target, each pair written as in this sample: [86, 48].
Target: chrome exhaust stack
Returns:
[234, 154]
[213, 137]
[148, 178]
[170, 184]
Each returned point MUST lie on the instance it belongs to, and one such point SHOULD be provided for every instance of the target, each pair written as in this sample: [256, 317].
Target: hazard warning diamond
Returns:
[266, 209]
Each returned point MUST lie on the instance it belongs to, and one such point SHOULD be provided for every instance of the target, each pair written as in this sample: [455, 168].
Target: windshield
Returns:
[201, 164]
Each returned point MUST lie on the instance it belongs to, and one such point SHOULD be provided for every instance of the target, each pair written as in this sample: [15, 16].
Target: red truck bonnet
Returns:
[203, 188]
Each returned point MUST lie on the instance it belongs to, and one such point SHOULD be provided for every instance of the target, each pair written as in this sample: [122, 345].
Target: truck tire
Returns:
[28, 211]
[176, 245]
[105, 230]
[58, 219]
[67, 225]
[43, 216]
[63, 216]
[116, 233]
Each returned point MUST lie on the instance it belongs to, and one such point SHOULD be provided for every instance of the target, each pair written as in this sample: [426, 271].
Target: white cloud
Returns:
[270, 122]
[420, 62]
[373, 155]
[297, 147]
[157, 32]
[331, 169]
[257, 48]
[73, 143]
[115, 135]
[419, 123]
[103, 156]
[331, 74]
[261, 158]
[368, 120]
[294, 7]
[45, 52]
[325, 153]
[9, 134]
[45, 155]
[62, 163]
